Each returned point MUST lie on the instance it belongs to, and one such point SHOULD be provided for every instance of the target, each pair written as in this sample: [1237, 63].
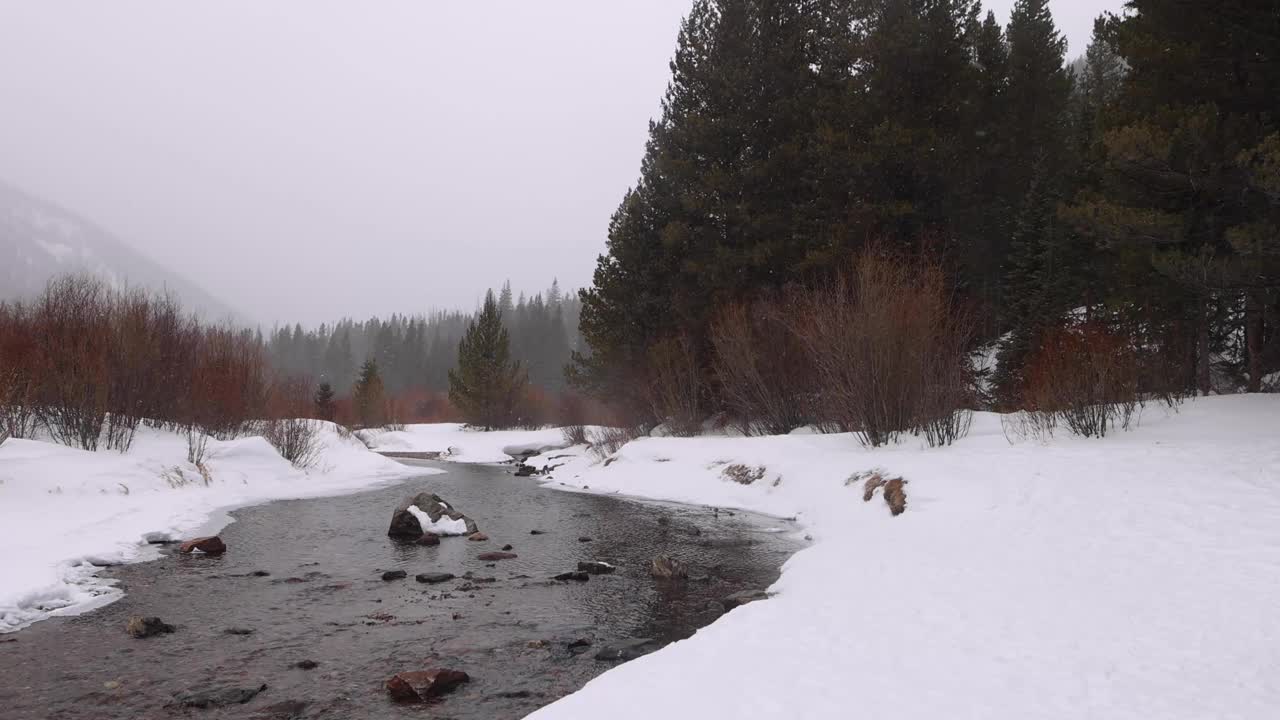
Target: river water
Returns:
[302, 582]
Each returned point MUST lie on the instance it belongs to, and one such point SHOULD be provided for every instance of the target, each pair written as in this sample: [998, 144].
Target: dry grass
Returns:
[743, 474]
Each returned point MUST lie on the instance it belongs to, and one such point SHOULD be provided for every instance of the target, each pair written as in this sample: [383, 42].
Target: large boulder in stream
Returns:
[207, 545]
[423, 685]
[407, 524]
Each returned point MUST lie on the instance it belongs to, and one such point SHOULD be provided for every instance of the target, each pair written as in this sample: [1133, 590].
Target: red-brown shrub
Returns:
[888, 346]
[676, 387]
[1086, 376]
[72, 363]
[17, 358]
[765, 374]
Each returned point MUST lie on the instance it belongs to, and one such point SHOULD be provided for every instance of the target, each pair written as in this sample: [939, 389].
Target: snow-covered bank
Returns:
[457, 443]
[63, 511]
[1136, 576]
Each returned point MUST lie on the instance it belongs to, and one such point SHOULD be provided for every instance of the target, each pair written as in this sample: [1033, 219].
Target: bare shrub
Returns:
[289, 427]
[888, 350]
[534, 409]
[225, 388]
[17, 358]
[91, 364]
[743, 474]
[949, 390]
[395, 415]
[228, 386]
[296, 439]
[606, 441]
[766, 377]
[676, 385]
[1086, 376]
[1028, 424]
[573, 415]
[73, 347]
[574, 434]
[152, 341]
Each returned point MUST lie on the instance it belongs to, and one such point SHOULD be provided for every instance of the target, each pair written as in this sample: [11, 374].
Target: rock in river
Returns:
[478, 537]
[491, 556]
[141, 627]
[434, 578]
[596, 568]
[217, 697]
[421, 685]
[207, 545]
[576, 576]
[394, 575]
[404, 524]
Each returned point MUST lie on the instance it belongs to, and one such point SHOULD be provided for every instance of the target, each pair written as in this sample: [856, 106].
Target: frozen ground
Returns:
[65, 511]
[1132, 577]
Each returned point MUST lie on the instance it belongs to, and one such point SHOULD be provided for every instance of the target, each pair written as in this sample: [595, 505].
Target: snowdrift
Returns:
[457, 443]
[1136, 576]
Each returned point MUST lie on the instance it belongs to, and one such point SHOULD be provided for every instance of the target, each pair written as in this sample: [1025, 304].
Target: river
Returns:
[302, 581]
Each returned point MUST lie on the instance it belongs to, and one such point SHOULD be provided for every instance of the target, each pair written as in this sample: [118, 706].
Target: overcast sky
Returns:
[308, 159]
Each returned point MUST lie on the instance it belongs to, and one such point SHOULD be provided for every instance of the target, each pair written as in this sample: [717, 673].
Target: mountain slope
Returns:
[39, 240]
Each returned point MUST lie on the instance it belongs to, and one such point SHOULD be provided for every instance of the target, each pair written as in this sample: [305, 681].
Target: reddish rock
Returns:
[421, 685]
[486, 557]
[207, 545]
[429, 539]
[478, 537]
[895, 495]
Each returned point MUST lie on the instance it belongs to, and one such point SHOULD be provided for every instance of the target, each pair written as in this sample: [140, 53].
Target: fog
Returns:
[308, 159]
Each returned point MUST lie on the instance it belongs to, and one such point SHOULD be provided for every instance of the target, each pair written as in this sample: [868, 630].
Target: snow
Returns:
[1137, 576]
[62, 507]
[458, 443]
[444, 526]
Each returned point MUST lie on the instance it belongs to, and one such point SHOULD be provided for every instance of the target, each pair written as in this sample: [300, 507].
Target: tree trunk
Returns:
[1254, 326]
[1203, 382]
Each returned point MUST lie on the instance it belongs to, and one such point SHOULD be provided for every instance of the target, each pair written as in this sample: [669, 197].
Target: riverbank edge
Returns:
[139, 488]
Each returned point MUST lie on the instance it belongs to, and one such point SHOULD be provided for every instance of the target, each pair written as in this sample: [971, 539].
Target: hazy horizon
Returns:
[307, 161]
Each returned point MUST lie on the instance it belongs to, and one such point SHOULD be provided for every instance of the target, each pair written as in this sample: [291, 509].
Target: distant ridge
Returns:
[39, 240]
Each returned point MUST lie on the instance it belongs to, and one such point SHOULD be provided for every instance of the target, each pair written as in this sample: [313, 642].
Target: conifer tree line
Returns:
[1129, 200]
[413, 355]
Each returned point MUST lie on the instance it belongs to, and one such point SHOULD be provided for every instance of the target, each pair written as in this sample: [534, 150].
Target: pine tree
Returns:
[1177, 205]
[725, 202]
[337, 362]
[1043, 278]
[324, 406]
[369, 396]
[505, 306]
[1038, 92]
[988, 225]
[487, 384]
[1041, 266]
